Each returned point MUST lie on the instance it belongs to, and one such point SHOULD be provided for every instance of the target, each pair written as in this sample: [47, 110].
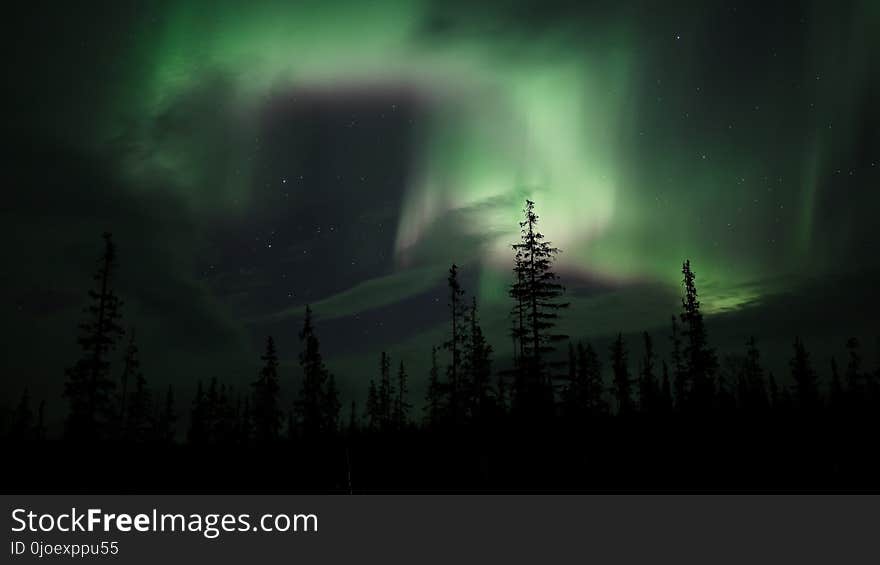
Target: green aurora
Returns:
[558, 115]
[646, 134]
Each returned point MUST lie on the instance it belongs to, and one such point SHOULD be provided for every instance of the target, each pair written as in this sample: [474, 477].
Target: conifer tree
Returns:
[139, 419]
[805, 379]
[478, 364]
[331, 405]
[700, 359]
[622, 380]
[572, 394]
[590, 375]
[374, 409]
[267, 388]
[457, 388]
[130, 371]
[198, 420]
[434, 394]
[312, 404]
[753, 391]
[854, 375]
[401, 404]
[386, 393]
[537, 294]
[89, 387]
[648, 387]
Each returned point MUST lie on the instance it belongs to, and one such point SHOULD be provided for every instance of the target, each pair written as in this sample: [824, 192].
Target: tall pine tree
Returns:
[266, 413]
[699, 358]
[537, 294]
[89, 387]
[316, 414]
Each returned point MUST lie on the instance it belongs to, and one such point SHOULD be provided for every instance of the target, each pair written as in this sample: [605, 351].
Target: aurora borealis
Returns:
[255, 157]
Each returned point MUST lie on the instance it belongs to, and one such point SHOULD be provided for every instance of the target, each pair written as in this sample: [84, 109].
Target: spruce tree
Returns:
[700, 359]
[198, 420]
[434, 394]
[537, 294]
[457, 388]
[89, 387]
[139, 419]
[478, 364]
[622, 381]
[374, 409]
[648, 387]
[331, 405]
[804, 377]
[266, 390]
[312, 403]
[854, 375]
[130, 371]
[401, 403]
[593, 386]
[386, 393]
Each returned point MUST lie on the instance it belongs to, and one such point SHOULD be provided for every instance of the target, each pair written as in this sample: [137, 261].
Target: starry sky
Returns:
[254, 157]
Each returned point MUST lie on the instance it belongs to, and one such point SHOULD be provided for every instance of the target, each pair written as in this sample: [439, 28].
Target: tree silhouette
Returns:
[622, 382]
[590, 367]
[139, 422]
[477, 364]
[198, 419]
[312, 406]
[401, 403]
[649, 389]
[457, 388]
[165, 424]
[804, 377]
[130, 370]
[537, 294]
[386, 393]
[89, 387]
[854, 375]
[751, 389]
[266, 410]
[584, 395]
[434, 393]
[374, 410]
[700, 359]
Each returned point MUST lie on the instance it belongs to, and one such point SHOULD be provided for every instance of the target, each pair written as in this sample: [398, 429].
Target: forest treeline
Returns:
[553, 382]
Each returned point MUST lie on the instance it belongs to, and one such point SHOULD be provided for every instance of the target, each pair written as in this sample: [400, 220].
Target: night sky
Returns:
[251, 158]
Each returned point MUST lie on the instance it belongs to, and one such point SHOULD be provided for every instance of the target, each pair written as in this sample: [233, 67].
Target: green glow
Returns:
[557, 118]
